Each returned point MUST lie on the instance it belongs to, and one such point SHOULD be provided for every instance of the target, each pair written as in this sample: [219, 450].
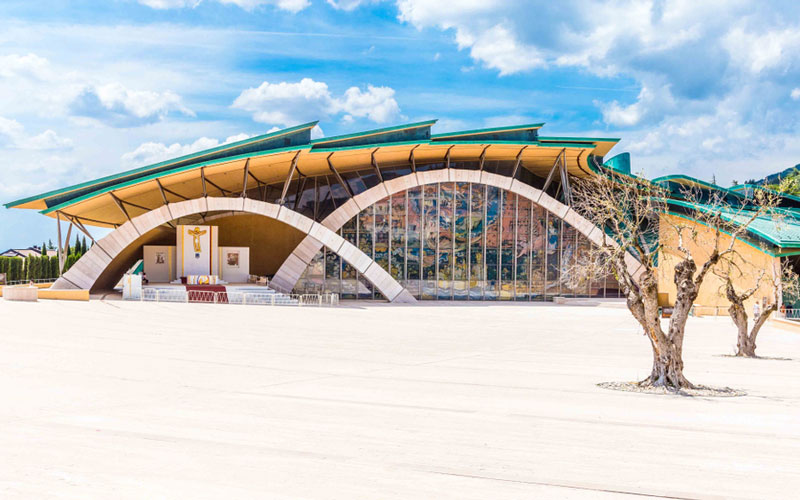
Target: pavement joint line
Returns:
[569, 486]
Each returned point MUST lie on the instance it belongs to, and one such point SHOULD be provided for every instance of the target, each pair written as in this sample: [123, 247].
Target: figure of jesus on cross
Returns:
[196, 233]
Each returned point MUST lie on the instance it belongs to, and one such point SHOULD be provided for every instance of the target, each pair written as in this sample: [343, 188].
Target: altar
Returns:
[196, 259]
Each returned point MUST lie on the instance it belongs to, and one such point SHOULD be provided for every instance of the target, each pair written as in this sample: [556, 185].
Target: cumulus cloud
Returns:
[288, 5]
[707, 71]
[169, 4]
[348, 5]
[376, 103]
[29, 65]
[154, 152]
[13, 136]
[290, 103]
[121, 107]
[286, 103]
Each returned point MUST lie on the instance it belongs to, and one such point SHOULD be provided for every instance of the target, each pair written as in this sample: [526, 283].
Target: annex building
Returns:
[396, 213]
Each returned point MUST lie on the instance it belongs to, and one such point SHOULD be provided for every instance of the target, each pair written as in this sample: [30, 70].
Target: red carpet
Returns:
[204, 293]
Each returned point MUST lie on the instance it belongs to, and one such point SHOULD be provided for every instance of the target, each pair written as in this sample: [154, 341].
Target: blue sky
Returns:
[91, 88]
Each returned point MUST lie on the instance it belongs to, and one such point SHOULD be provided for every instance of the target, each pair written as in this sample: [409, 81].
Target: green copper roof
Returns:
[293, 136]
[513, 133]
[130, 182]
[783, 231]
[398, 133]
[746, 188]
[295, 139]
[620, 163]
[579, 139]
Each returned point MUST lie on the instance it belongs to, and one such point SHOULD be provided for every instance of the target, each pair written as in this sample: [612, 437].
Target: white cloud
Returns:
[43, 172]
[288, 5]
[13, 136]
[286, 103]
[290, 103]
[376, 103]
[348, 5]
[647, 103]
[169, 4]
[29, 65]
[710, 73]
[762, 50]
[154, 152]
[499, 49]
[118, 106]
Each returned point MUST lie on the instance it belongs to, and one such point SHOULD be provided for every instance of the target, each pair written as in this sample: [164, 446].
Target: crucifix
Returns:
[196, 233]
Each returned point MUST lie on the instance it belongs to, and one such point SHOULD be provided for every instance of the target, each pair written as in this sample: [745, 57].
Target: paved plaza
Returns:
[367, 401]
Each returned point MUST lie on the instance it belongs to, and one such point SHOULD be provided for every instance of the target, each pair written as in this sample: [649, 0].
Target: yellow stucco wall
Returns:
[270, 241]
[749, 258]
[64, 294]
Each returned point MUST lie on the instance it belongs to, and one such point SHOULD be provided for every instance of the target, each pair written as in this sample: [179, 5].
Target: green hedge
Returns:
[12, 267]
[39, 267]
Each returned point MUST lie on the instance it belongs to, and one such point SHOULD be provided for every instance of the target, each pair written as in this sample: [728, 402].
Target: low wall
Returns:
[33, 293]
[64, 294]
[20, 293]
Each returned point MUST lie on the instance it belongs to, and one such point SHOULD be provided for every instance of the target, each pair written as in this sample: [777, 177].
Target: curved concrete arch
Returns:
[84, 273]
[287, 277]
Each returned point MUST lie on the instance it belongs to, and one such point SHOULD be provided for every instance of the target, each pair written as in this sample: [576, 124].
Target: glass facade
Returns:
[459, 241]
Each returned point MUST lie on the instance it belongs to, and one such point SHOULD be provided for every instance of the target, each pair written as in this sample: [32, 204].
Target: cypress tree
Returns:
[44, 248]
[70, 260]
[53, 267]
[84, 247]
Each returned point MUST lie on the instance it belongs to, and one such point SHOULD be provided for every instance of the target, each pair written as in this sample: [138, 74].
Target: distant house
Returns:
[24, 252]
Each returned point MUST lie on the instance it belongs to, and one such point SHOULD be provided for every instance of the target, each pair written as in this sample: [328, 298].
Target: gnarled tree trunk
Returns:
[668, 364]
[745, 342]
[642, 301]
[739, 317]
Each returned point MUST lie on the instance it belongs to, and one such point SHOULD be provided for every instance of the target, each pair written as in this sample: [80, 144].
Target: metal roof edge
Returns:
[170, 172]
[482, 131]
[672, 177]
[198, 154]
[367, 133]
[757, 247]
[749, 229]
[579, 139]
[740, 187]
[368, 146]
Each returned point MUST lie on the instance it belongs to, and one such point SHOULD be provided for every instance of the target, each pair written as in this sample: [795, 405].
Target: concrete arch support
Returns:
[84, 273]
[309, 247]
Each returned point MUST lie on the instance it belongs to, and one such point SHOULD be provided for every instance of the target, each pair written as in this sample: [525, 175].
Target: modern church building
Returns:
[397, 213]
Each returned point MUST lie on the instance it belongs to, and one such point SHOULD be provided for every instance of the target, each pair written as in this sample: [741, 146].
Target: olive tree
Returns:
[638, 228]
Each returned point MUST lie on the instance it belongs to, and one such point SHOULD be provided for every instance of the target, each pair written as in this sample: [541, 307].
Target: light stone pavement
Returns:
[370, 401]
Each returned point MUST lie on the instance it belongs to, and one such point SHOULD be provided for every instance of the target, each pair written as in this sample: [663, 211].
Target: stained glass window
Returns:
[455, 241]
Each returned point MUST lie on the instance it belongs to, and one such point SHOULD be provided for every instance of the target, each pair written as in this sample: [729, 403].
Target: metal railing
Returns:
[789, 313]
[25, 282]
[785, 312]
[698, 310]
[243, 298]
